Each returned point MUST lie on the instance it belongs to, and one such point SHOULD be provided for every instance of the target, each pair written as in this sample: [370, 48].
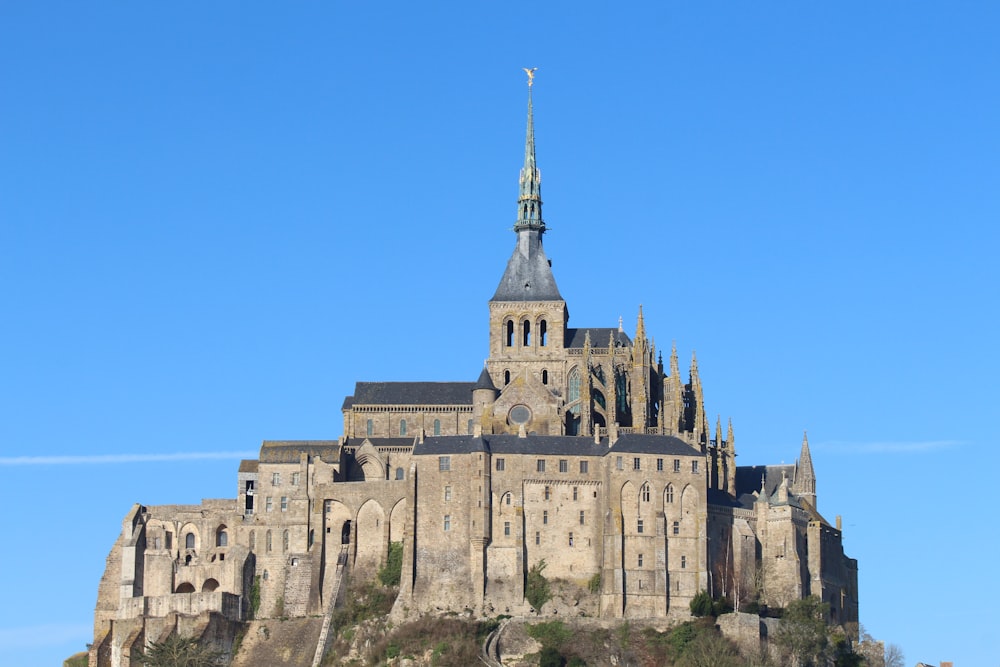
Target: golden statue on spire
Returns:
[530, 71]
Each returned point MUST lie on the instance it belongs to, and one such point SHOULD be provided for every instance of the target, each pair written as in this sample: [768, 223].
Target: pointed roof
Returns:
[484, 381]
[528, 276]
[805, 462]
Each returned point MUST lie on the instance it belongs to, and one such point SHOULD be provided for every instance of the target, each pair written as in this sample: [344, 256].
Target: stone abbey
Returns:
[578, 447]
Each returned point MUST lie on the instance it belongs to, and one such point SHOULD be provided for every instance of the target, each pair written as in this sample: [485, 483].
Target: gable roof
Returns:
[599, 336]
[411, 393]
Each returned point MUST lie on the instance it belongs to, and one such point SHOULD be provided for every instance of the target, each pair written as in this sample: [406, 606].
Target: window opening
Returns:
[526, 338]
[543, 333]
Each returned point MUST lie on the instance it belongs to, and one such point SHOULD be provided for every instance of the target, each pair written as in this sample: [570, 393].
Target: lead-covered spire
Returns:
[528, 276]
[529, 201]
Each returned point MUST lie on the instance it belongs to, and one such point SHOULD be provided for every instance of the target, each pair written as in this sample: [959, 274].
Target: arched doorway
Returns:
[345, 533]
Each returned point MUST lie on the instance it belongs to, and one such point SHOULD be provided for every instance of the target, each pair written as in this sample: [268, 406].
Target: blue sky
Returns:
[215, 218]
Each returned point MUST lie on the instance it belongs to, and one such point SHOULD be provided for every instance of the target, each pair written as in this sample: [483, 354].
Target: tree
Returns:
[709, 649]
[175, 651]
[537, 589]
[701, 604]
[391, 573]
[803, 632]
[894, 656]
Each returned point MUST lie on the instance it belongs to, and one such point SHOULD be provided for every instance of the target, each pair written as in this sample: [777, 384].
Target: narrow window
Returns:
[645, 493]
[506, 528]
[221, 538]
[506, 377]
[437, 427]
[526, 338]
[677, 465]
[545, 516]
[284, 503]
[447, 522]
[508, 498]
[576, 493]
[563, 465]
[267, 542]
[543, 333]
[295, 479]
[399, 473]
[694, 467]
[284, 542]
[540, 465]
[670, 493]
[583, 517]
[571, 539]
[684, 562]
[312, 538]
[677, 527]
[548, 493]
[510, 333]
[189, 541]
[545, 377]
[370, 427]
[618, 463]
[447, 493]
[637, 463]
[538, 537]
[470, 427]
[584, 467]
[444, 463]
[501, 464]
[639, 526]
[169, 541]
[275, 479]
[640, 560]
[269, 503]
[659, 465]
[402, 427]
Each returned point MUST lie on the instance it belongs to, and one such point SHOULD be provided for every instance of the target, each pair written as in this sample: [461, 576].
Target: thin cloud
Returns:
[101, 459]
[888, 447]
[52, 634]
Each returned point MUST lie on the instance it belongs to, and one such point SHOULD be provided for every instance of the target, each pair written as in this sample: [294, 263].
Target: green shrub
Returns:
[701, 604]
[550, 634]
[550, 657]
[392, 651]
[390, 574]
[594, 585]
[255, 597]
[722, 606]
[536, 590]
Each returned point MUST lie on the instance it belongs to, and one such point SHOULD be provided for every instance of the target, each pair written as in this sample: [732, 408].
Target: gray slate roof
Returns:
[288, 451]
[411, 393]
[554, 445]
[598, 336]
[528, 276]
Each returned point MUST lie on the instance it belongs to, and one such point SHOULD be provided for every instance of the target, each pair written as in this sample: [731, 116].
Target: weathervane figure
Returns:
[530, 71]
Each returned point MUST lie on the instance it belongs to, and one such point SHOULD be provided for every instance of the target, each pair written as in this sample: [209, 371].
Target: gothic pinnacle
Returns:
[529, 201]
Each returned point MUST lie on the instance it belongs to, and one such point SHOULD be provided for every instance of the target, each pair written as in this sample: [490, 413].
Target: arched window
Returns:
[253, 541]
[267, 542]
[669, 495]
[545, 377]
[189, 541]
[399, 473]
[186, 587]
[437, 427]
[506, 377]
[510, 333]
[574, 386]
[543, 333]
[526, 338]
[370, 427]
[284, 542]
[402, 427]
[209, 585]
[644, 492]
[470, 427]
[221, 538]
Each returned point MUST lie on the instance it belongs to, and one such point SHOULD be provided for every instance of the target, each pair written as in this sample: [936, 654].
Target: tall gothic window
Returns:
[510, 333]
[402, 427]
[543, 333]
[526, 338]
[437, 427]
[574, 386]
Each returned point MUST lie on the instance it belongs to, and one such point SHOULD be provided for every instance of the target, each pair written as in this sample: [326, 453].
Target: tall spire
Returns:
[805, 476]
[529, 201]
[529, 273]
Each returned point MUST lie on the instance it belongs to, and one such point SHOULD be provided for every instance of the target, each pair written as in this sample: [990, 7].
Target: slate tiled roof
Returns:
[485, 381]
[411, 393]
[599, 336]
[554, 445]
[748, 478]
[288, 451]
[528, 276]
[248, 465]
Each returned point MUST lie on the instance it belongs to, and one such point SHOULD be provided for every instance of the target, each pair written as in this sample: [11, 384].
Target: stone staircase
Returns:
[298, 583]
[331, 592]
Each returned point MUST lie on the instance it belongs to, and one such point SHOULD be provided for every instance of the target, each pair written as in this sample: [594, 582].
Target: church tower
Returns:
[528, 316]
